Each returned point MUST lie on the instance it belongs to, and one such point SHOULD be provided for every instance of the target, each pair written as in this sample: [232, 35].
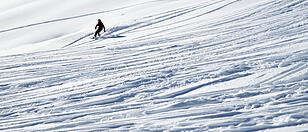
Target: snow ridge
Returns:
[217, 65]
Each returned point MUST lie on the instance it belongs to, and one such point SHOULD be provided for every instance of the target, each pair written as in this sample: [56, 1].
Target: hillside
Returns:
[161, 65]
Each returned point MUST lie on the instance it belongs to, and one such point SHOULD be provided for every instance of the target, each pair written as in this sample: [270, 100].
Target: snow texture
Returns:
[161, 65]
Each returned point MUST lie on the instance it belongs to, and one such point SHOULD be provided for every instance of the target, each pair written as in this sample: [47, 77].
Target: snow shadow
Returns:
[113, 36]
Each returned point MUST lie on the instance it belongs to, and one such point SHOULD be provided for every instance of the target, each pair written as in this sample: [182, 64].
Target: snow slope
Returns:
[162, 65]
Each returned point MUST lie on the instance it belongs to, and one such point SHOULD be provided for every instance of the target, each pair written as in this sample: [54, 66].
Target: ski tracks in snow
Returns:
[245, 71]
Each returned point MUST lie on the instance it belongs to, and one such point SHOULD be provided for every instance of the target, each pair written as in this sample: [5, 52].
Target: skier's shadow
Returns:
[112, 36]
[107, 35]
[102, 38]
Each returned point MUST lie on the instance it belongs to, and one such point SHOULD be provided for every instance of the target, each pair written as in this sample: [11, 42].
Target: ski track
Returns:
[154, 82]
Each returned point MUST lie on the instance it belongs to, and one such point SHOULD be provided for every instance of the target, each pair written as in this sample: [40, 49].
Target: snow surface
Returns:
[162, 65]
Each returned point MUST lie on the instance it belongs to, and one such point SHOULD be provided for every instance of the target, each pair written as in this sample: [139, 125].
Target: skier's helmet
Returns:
[99, 20]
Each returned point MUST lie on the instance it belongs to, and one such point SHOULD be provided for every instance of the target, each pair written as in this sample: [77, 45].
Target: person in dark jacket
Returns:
[100, 26]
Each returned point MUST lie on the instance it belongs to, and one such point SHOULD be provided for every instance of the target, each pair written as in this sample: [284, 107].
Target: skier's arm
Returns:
[96, 26]
[104, 28]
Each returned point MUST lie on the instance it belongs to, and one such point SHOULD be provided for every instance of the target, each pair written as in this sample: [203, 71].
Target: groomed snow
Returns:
[162, 65]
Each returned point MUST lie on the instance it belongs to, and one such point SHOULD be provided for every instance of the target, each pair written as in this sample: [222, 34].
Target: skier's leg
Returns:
[98, 32]
[95, 34]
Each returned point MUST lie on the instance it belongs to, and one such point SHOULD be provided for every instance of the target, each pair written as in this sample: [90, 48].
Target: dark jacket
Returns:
[100, 26]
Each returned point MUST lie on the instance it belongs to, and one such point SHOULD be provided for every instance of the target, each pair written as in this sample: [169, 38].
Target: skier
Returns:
[100, 26]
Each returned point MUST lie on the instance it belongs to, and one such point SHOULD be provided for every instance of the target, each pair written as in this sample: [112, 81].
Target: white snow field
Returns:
[162, 65]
